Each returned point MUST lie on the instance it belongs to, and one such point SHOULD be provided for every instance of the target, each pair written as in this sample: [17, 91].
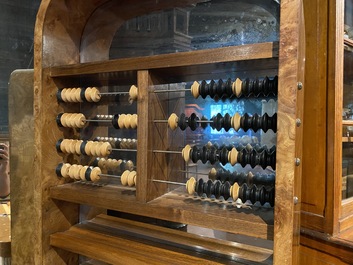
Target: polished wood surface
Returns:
[5, 230]
[71, 44]
[152, 244]
[288, 136]
[260, 221]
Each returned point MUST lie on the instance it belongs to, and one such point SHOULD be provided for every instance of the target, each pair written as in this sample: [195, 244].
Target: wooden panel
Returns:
[211, 56]
[314, 169]
[152, 244]
[188, 208]
[286, 222]
[25, 203]
[314, 257]
[325, 247]
[5, 231]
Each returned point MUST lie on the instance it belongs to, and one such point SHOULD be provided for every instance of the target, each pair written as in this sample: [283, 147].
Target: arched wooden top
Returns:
[82, 31]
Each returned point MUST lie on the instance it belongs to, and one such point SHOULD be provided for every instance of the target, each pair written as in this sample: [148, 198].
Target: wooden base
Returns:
[120, 241]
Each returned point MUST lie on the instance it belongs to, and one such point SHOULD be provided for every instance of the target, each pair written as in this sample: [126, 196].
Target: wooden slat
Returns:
[113, 240]
[175, 206]
[211, 56]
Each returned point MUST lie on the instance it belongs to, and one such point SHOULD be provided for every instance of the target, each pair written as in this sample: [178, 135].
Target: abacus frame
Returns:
[67, 55]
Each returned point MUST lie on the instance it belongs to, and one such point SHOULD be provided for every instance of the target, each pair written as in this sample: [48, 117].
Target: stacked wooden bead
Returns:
[226, 122]
[90, 94]
[210, 154]
[128, 178]
[78, 147]
[127, 121]
[120, 143]
[71, 120]
[241, 177]
[78, 172]
[117, 165]
[228, 89]
[218, 189]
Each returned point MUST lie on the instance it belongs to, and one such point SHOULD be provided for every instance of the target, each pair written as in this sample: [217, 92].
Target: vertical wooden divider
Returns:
[144, 152]
[287, 173]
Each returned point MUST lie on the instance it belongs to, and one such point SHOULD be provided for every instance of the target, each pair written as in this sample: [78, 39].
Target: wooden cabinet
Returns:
[123, 217]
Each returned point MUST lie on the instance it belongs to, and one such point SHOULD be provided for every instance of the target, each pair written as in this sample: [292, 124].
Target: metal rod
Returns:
[195, 173]
[109, 175]
[165, 151]
[169, 182]
[114, 93]
[98, 120]
[198, 121]
[170, 90]
[125, 150]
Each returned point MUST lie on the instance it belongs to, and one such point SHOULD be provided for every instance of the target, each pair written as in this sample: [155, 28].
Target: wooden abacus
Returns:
[90, 94]
[76, 57]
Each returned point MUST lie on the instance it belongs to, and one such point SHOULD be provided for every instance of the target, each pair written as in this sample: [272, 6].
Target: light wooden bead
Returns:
[212, 174]
[78, 146]
[190, 185]
[129, 165]
[105, 149]
[83, 172]
[78, 95]
[235, 121]
[127, 121]
[236, 87]
[95, 148]
[80, 120]
[76, 172]
[134, 121]
[88, 148]
[234, 191]
[63, 94]
[71, 95]
[95, 96]
[72, 149]
[96, 171]
[131, 179]
[186, 153]
[65, 170]
[102, 162]
[133, 93]
[173, 121]
[195, 89]
[63, 145]
[233, 156]
[114, 164]
[124, 177]
[63, 119]
[88, 94]
[121, 120]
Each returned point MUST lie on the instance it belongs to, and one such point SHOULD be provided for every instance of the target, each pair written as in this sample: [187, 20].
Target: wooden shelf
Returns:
[113, 240]
[194, 59]
[175, 206]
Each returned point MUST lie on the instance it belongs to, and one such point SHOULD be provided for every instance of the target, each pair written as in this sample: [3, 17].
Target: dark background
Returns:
[17, 20]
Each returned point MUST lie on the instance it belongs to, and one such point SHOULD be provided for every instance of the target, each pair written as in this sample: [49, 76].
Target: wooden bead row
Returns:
[90, 148]
[239, 88]
[173, 121]
[114, 164]
[191, 188]
[127, 121]
[78, 172]
[128, 178]
[232, 155]
[71, 120]
[90, 94]
[121, 143]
